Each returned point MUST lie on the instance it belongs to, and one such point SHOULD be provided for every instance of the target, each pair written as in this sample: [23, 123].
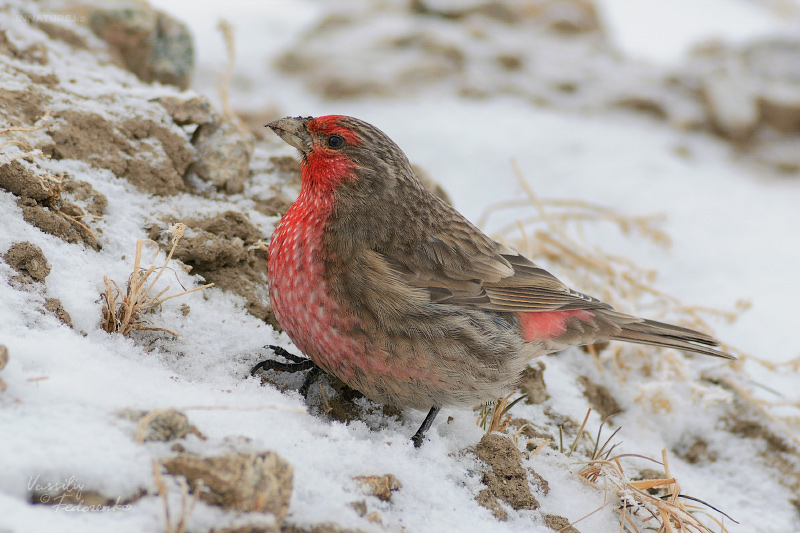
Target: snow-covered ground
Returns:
[734, 235]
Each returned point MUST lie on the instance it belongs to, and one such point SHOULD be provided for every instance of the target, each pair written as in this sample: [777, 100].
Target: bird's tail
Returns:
[643, 331]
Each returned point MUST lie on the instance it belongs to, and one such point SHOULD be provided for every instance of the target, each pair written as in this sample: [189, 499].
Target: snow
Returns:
[734, 233]
[665, 31]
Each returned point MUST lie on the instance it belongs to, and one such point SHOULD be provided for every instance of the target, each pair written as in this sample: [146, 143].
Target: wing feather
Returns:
[469, 269]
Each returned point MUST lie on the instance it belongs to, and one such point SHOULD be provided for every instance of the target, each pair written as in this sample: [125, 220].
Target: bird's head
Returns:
[337, 150]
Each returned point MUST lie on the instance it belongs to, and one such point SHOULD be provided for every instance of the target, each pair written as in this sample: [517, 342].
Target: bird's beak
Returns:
[294, 132]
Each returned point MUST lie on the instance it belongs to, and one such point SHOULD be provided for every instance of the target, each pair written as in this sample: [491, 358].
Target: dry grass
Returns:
[228, 35]
[124, 312]
[495, 417]
[661, 499]
[187, 504]
[55, 187]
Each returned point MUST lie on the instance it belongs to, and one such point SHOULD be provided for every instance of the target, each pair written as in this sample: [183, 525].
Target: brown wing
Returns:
[464, 267]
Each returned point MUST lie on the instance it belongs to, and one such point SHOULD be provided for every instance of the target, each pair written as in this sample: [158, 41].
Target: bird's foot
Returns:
[299, 364]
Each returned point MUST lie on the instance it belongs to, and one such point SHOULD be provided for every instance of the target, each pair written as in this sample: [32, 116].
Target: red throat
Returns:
[323, 173]
[324, 169]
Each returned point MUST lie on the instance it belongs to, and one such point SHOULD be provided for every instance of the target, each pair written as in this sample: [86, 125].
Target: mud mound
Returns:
[223, 250]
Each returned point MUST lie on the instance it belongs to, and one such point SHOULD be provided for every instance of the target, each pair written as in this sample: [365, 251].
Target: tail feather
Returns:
[659, 334]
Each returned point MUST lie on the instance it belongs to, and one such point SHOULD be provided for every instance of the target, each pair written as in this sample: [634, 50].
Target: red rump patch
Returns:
[329, 125]
[546, 325]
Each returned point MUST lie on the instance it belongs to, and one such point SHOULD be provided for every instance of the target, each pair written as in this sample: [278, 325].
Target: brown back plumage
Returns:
[420, 251]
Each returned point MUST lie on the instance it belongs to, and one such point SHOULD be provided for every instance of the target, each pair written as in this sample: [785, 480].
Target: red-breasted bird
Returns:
[393, 291]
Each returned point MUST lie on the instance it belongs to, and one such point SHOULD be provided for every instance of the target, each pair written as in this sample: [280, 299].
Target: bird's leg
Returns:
[311, 377]
[299, 364]
[426, 424]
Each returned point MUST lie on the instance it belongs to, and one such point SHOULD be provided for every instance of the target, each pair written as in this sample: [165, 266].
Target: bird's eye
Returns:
[335, 141]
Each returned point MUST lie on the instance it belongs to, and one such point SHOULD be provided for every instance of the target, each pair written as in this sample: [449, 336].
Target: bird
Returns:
[393, 291]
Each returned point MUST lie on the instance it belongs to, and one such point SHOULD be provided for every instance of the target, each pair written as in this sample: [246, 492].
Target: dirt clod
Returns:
[559, 523]
[507, 480]
[696, 452]
[319, 528]
[531, 383]
[94, 202]
[152, 156]
[50, 221]
[257, 482]
[165, 426]
[599, 397]
[55, 308]
[22, 181]
[221, 250]
[486, 498]
[29, 260]
[381, 487]
[61, 33]
[52, 203]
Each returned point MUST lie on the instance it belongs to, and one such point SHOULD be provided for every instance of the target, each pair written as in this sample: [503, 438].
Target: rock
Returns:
[781, 113]
[776, 65]
[568, 16]
[254, 482]
[171, 59]
[148, 42]
[194, 110]
[222, 155]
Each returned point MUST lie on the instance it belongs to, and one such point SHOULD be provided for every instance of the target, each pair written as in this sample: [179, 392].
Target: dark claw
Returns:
[426, 424]
[299, 364]
[269, 364]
